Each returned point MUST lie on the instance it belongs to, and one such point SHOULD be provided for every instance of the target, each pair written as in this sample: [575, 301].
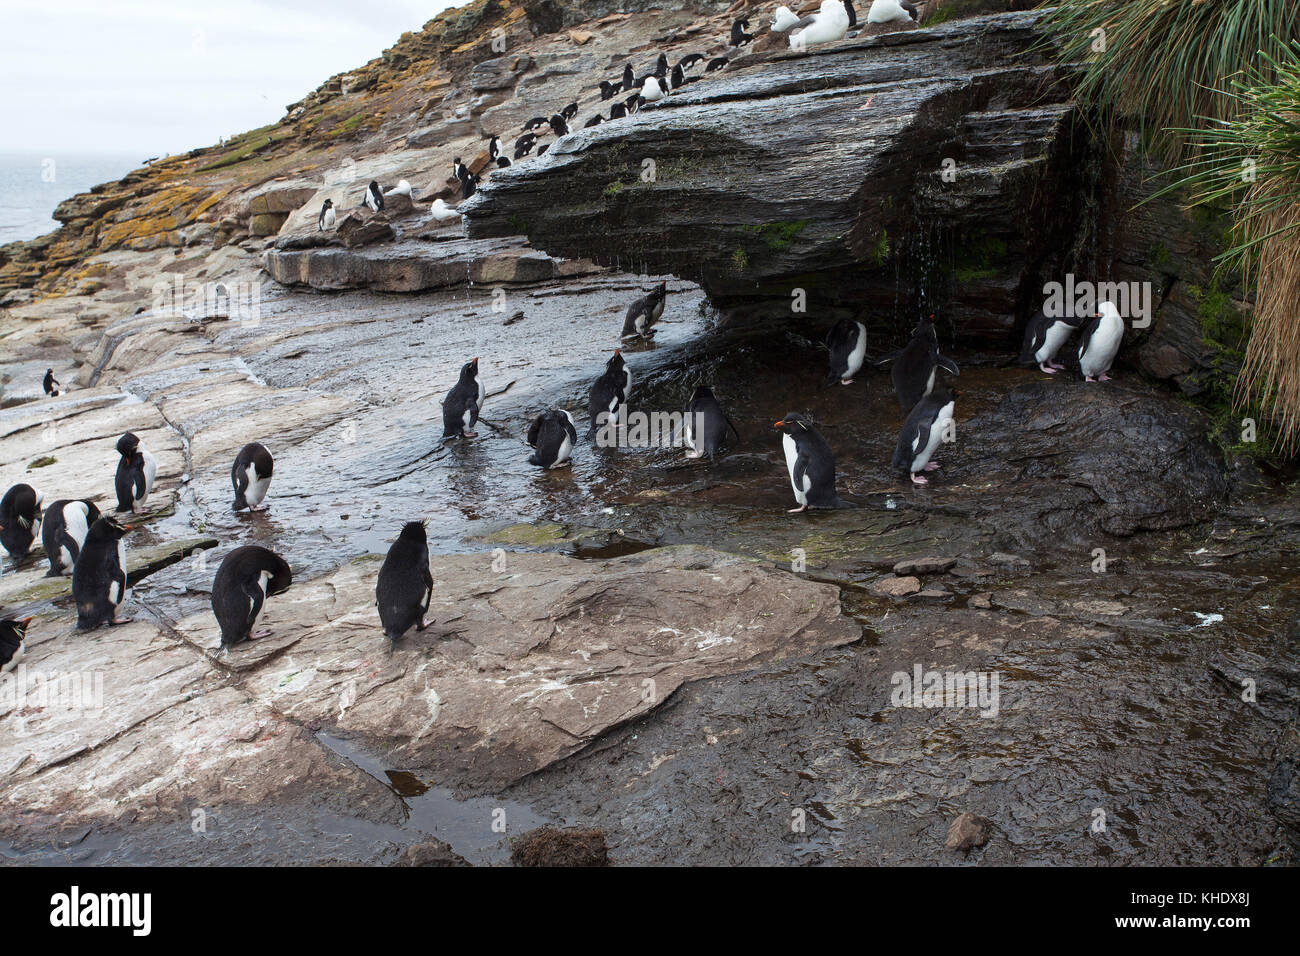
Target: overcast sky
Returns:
[151, 77]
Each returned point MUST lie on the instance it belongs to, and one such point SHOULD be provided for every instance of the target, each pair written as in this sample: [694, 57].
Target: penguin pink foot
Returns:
[920, 480]
[1089, 378]
[1044, 368]
[931, 466]
[115, 620]
[1103, 377]
[795, 511]
[264, 632]
[847, 343]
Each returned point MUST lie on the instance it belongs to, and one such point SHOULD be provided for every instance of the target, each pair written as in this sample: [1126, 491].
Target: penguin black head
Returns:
[281, 576]
[329, 203]
[793, 424]
[414, 531]
[702, 391]
[502, 162]
[127, 444]
[14, 627]
[112, 527]
[615, 362]
[469, 369]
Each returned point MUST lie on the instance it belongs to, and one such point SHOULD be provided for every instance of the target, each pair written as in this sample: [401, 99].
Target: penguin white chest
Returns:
[150, 470]
[1056, 335]
[859, 352]
[1103, 346]
[929, 383]
[115, 594]
[942, 422]
[791, 456]
[257, 486]
[482, 395]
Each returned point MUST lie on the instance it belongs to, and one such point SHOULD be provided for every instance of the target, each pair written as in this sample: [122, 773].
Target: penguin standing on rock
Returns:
[251, 476]
[915, 365]
[810, 463]
[593, 121]
[63, 532]
[629, 78]
[246, 578]
[559, 126]
[644, 313]
[610, 391]
[494, 148]
[705, 424]
[608, 90]
[552, 437]
[99, 575]
[327, 216]
[651, 91]
[135, 473]
[717, 63]
[13, 643]
[891, 11]
[738, 35]
[405, 585]
[847, 342]
[20, 519]
[1043, 339]
[374, 197]
[1099, 343]
[922, 432]
[51, 384]
[461, 407]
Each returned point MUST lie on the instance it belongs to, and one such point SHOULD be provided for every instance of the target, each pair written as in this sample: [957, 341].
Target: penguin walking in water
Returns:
[705, 424]
[461, 407]
[405, 585]
[552, 437]
[374, 197]
[644, 313]
[810, 463]
[13, 642]
[327, 216]
[847, 342]
[247, 577]
[63, 532]
[135, 473]
[610, 391]
[922, 432]
[99, 575]
[51, 384]
[1099, 343]
[915, 365]
[251, 476]
[1043, 339]
[20, 519]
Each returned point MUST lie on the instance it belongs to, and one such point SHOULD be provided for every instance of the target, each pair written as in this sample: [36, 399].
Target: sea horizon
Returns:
[34, 182]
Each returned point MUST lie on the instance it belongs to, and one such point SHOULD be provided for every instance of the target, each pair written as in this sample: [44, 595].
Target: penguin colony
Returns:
[80, 541]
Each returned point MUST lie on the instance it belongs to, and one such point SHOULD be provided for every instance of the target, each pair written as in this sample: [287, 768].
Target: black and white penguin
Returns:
[690, 59]
[458, 169]
[537, 122]
[502, 162]
[891, 11]
[810, 463]
[617, 111]
[461, 407]
[705, 424]
[558, 125]
[99, 575]
[609, 391]
[570, 111]
[1099, 343]
[405, 585]
[922, 433]
[608, 90]
[525, 143]
[251, 476]
[676, 78]
[374, 196]
[552, 437]
[594, 121]
[916, 363]
[1043, 339]
[20, 519]
[135, 473]
[652, 91]
[13, 642]
[717, 63]
[494, 148]
[51, 384]
[63, 532]
[247, 577]
[468, 182]
[738, 35]
[847, 342]
[629, 78]
[541, 150]
[661, 66]
[644, 313]
[327, 216]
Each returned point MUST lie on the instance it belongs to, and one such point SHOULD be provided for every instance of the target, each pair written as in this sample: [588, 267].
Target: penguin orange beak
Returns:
[778, 424]
[24, 621]
[476, 360]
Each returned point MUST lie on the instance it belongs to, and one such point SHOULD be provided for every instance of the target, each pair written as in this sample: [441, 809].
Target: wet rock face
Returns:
[806, 170]
[552, 846]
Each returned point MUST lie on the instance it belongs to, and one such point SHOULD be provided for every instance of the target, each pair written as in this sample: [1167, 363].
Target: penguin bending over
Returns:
[810, 463]
[717, 63]
[1099, 343]
[135, 473]
[609, 391]
[13, 643]
[828, 24]
[51, 384]
[405, 585]
[552, 437]
[247, 577]
[595, 120]
[251, 476]
[847, 342]
[915, 365]
[374, 196]
[705, 424]
[738, 35]
[644, 313]
[891, 11]
[1043, 339]
[922, 433]
[461, 407]
[63, 532]
[608, 89]
[99, 575]
[327, 216]
[20, 519]
[690, 59]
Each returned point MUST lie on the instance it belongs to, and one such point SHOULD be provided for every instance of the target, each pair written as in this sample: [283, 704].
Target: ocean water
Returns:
[32, 184]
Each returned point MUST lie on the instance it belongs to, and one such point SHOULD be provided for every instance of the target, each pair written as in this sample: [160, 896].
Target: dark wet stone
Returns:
[897, 587]
[924, 566]
[432, 853]
[967, 831]
[550, 846]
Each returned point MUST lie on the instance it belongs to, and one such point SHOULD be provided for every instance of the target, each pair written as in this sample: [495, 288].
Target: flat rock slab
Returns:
[30, 585]
[523, 666]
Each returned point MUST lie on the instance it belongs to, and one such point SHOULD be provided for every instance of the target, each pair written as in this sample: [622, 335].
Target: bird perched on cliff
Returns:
[738, 35]
[593, 121]
[645, 312]
[405, 586]
[811, 465]
[617, 111]
[633, 102]
[827, 25]
[51, 384]
[847, 342]
[468, 181]
[374, 196]
[717, 63]
[327, 216]
[608, 90]
[502, 162]
[1099, 343]
[570, 111]
[13, 643]
[461, 407]
[915, 365]
[891, 11]
[247, 577]
[99, 575]
[20, 519]
[403, 188]
[524, 145]
[926, 426]
[1043, 339]
[690, 59]
[784, 19]
[537, 122]
[442, 212]
[250, 476]
[136, 469]
[651, 91]
[559, 126]
[494, 147]
[552, 437]
[610, 391]
[541, 150]
[629, 78]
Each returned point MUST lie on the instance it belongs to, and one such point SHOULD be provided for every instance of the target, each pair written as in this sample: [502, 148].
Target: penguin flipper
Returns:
[1092, 326]
[533, 430]
[799, 470]
[889, 356]
[428, 588]
[947, 364]
[732, 427]
[570, 430]
[256, 598]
